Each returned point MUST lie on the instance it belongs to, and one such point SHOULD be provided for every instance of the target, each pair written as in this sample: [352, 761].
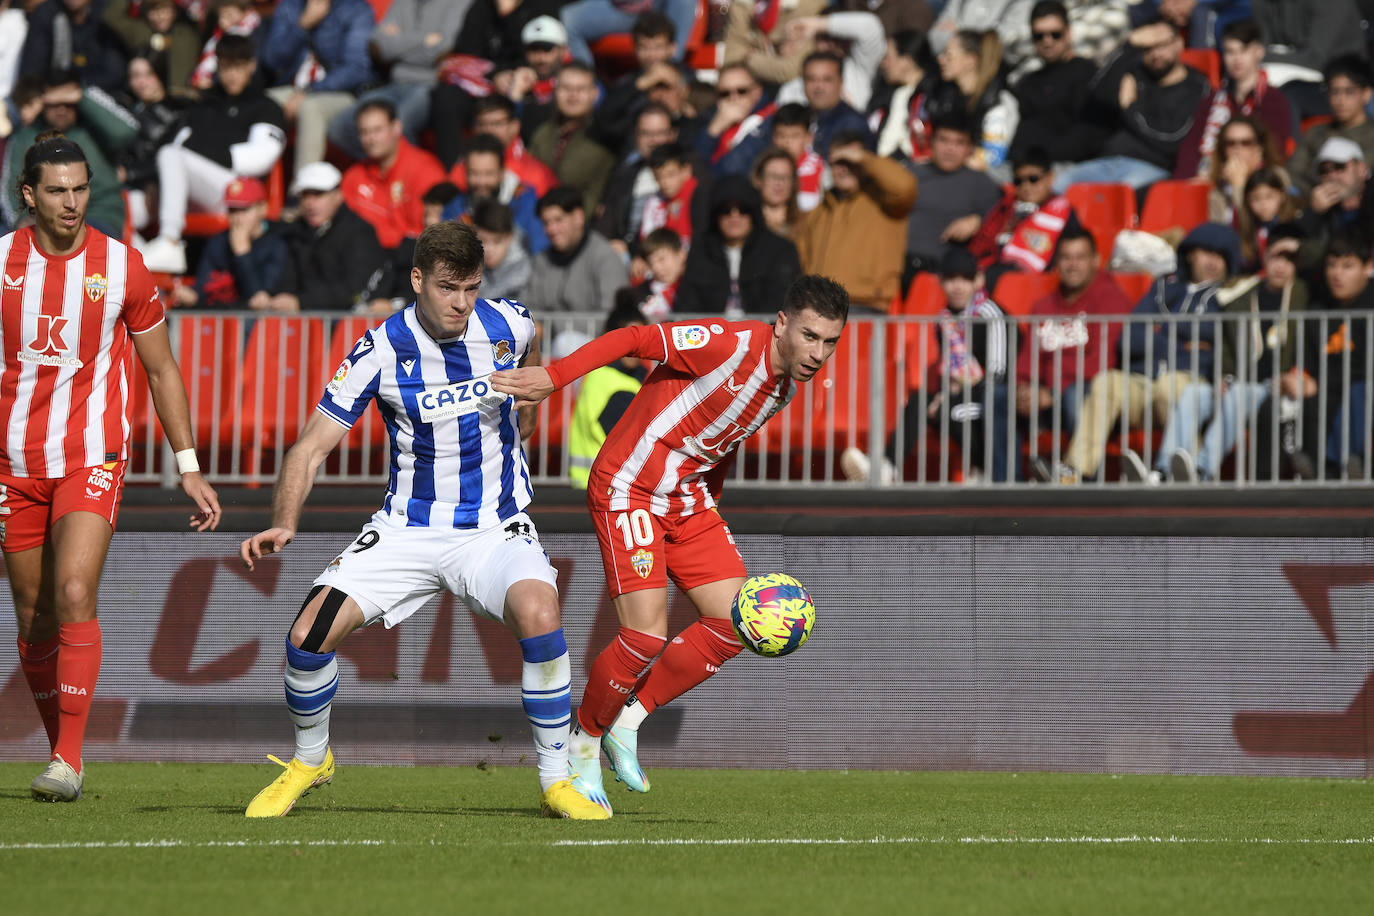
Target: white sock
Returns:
[311, 680]
[546, 695]
[581, 744]
[632, 715]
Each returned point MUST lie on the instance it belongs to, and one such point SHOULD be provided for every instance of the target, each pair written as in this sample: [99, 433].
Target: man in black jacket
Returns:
[1052, 99]
[1150, 96]
[737, 265]
[333, 251]
[234, 131]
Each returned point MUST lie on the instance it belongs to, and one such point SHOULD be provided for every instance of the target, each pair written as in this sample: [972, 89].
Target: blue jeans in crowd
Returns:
[588, 20]
[1110, 170]
[1069, 403]
[1354, 408]
[1193, 410]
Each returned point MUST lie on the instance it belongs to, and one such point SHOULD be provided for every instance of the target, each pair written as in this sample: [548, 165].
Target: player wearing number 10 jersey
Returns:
[453, 518]
[652, 498]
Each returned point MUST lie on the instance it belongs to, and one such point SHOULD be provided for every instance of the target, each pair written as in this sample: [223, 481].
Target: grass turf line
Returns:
[152, 838]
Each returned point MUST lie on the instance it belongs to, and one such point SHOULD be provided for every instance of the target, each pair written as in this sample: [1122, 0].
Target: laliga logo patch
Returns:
[501, 353]
[643, 562]
[690, 336]
[95, 287]
[336, 383]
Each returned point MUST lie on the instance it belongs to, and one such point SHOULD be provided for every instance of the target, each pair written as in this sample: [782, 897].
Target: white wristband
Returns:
[186, 461]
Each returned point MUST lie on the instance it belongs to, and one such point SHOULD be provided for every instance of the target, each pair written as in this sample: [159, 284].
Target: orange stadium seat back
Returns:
[1205, 61]
[1174, 203]
[1104, 210]
[209, 351]
[1133, 285]
[283, 374]
[1017, 292]
[201, 225]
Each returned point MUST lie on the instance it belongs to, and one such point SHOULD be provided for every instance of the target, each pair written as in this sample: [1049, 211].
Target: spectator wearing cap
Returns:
[1348, 92]
[73, 35]
[317, 54]
[588, 20]
[234, 130]
[495, 116]
[387, 187]
[242, 264]
[737, 266]
[1161, 357]
[564, 144]
[579, 271]
[1340, 202]
[534, 86]
[407, 45]
[91, 119]
[159, 25]
[333, 251]
[857, 234]
[970, 376]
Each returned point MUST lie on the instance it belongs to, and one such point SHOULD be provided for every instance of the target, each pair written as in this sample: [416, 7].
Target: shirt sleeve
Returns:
[143, 309]
[684, 346]
[354, 384]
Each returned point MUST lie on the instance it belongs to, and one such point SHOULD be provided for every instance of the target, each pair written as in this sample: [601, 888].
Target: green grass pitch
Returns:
[171, 838]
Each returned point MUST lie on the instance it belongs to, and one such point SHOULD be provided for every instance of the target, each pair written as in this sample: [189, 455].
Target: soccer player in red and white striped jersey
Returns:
[652, 498]
[75, 306]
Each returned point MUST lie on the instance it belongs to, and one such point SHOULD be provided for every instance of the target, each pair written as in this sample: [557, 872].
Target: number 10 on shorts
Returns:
[637, 527]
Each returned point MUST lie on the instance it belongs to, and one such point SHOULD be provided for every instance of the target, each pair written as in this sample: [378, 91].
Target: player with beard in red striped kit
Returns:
[652, 495]
[75, 307]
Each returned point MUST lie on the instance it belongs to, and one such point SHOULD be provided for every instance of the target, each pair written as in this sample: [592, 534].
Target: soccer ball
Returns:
[772, 615]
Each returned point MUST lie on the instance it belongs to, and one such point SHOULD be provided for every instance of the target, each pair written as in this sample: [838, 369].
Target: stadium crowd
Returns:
[685, 157]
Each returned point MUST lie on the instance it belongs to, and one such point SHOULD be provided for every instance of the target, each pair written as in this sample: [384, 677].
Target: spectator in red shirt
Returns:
[494, 115]
[386, 188]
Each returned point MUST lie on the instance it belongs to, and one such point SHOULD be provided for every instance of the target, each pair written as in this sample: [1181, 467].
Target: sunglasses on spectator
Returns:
[725, 93]
[732, 209]
[1028, 179]
[1052, 35]
[1240, 141]
[1326, 168]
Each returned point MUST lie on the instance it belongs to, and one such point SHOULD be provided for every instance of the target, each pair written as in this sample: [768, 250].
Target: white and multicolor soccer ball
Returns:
[773, 615]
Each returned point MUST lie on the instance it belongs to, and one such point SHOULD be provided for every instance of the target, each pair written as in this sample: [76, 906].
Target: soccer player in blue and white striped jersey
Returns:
[453, 517]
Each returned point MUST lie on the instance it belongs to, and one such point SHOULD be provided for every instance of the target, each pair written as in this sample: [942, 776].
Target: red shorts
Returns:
[641, 550]
[30, 505]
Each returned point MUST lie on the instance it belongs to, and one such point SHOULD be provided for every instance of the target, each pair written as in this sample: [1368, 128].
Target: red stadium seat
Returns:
[283, 373]
[1205, 61]
[200, 225]
[1133, 285]
[1017, 292]
[208, 355]
[1104, 210]
[1174, 203]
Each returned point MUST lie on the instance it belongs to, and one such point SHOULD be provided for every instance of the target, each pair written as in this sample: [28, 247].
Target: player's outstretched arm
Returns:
[528, 385]
[303, 460]
[169, 400]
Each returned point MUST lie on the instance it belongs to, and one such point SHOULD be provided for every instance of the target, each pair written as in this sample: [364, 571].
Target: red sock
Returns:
[39, 661]
[613, 676]
[78, 666]
[694, 655]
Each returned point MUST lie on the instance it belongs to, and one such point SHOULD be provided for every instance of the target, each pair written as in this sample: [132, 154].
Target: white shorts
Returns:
[392, 570]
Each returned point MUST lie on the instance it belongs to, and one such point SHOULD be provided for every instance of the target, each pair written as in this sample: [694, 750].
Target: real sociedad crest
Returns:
[95, 287]
[501, 353]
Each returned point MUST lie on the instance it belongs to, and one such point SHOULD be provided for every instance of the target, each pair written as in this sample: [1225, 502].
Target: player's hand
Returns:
[528, 385]
[273, 540]
[203, 495]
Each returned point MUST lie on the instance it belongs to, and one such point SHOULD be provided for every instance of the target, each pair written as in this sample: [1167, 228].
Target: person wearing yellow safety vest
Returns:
[604, 396]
